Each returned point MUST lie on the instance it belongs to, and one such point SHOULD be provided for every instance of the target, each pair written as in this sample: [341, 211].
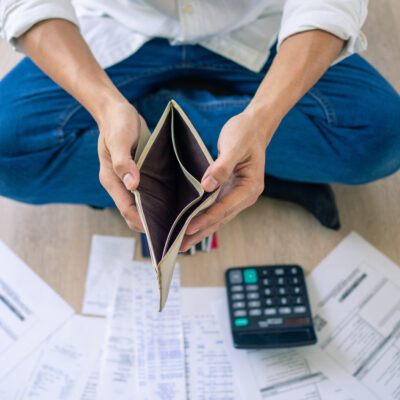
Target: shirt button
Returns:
[188, 9]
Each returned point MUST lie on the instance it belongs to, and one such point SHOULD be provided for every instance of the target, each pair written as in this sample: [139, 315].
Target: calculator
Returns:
[269, 307]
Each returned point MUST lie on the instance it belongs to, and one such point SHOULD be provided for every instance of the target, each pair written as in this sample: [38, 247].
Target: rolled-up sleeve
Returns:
[18, 16]
[342, 18]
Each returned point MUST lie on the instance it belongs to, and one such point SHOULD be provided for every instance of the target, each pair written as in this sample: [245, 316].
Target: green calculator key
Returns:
[241, 322]
[250, 275]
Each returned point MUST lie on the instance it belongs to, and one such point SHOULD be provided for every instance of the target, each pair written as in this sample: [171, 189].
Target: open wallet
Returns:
[172, 162]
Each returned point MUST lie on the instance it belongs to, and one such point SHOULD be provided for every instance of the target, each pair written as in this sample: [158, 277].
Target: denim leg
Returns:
[346, 129]
[48, 141]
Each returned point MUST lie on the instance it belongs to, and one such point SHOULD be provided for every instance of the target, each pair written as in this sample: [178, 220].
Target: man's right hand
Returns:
[119, 135]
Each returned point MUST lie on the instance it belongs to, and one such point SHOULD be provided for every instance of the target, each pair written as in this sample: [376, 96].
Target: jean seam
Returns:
[73, 108]
[324, 103]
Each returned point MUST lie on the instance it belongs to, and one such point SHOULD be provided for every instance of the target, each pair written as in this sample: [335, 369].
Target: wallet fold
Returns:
[172, 162]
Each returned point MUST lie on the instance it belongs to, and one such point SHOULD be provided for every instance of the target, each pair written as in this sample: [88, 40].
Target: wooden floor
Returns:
[55, 239]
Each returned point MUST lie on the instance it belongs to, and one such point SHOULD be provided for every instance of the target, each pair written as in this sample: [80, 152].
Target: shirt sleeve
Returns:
[18, 16]
[342, 18]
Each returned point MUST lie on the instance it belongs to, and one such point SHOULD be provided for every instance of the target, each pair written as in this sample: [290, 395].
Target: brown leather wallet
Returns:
[172, 162]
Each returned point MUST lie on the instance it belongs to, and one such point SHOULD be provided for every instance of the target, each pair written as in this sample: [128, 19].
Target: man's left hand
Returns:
[239, 170]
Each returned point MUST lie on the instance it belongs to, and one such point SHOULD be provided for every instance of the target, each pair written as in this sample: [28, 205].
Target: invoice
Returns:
[355, 298]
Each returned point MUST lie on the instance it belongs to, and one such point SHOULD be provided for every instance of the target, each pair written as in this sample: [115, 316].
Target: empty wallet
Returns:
[172, 161]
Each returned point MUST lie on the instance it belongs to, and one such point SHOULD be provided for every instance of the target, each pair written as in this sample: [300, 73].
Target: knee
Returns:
[376, 151]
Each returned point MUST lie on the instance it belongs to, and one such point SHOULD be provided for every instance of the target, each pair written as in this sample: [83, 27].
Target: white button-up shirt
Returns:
[240, 30]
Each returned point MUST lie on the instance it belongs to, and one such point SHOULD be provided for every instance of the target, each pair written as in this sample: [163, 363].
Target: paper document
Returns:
[29, 310]
[277, 374]
[102, 271]
[209, 369]
[143, 356]
[66, 361]
[355, 298]
[12, 386]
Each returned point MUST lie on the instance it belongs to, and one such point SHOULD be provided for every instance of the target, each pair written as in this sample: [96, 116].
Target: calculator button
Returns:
[294, 270]
[268, 292]
[255, 312]
[237, 296]
[237, 288]
[299, 310]
[251, 287]
[253, 304]
[250, 275]
[240, 313]
[285, 310]
[270, 311]
[270, 321]
[268, 281]
[282, 291]
[235, 276]
[269, 302]
[298, 300]
[295, 280]
[283, 301]
[253, 296]
[280, 281]
[279, 271]
[238, 304]
[265, 272]
[297, 290]
[241, 322]
[274, 321]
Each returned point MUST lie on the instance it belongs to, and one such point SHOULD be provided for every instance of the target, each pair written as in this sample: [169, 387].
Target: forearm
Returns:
[58, 48]
[302, 59]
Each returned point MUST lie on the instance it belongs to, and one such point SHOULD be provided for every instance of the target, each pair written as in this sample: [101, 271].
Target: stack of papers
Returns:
[186, 352]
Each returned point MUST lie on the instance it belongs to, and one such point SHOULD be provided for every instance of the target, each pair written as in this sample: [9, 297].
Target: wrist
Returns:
[265, 118]
[106, 100]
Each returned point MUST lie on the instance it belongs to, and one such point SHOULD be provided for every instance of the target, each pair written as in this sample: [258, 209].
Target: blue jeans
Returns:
[346, 129]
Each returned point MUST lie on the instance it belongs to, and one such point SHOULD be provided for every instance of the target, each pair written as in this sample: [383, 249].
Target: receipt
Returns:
[143, 356]
[209, 369]
[103, 271]
[64, 365]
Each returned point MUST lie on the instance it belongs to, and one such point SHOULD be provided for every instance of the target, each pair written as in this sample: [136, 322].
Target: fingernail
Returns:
[210, 184]
[129, 182]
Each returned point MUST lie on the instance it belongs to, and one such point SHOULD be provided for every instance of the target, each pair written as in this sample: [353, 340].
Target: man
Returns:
[300, 106]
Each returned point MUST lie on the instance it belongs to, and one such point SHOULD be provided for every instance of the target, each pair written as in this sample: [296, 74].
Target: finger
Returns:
[236, 200]
[219, 171]
[191, 240]
[120, 147]
[124, 200]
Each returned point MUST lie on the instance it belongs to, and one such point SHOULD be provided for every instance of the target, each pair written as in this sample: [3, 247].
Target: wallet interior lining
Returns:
[164, 189]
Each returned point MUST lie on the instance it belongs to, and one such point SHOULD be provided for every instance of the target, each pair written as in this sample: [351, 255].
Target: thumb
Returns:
[218, 172]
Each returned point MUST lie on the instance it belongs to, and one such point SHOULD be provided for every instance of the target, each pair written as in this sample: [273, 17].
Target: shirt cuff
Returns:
[340, 18]
[19, 16]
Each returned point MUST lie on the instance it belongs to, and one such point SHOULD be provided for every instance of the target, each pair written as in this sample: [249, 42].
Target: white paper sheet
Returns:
[143, 357]
[355, 298]
[12, 386]
[103, 271]
[209, 369]
[277, 374]
[29, 310]
[90, 390]
[65, 363]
